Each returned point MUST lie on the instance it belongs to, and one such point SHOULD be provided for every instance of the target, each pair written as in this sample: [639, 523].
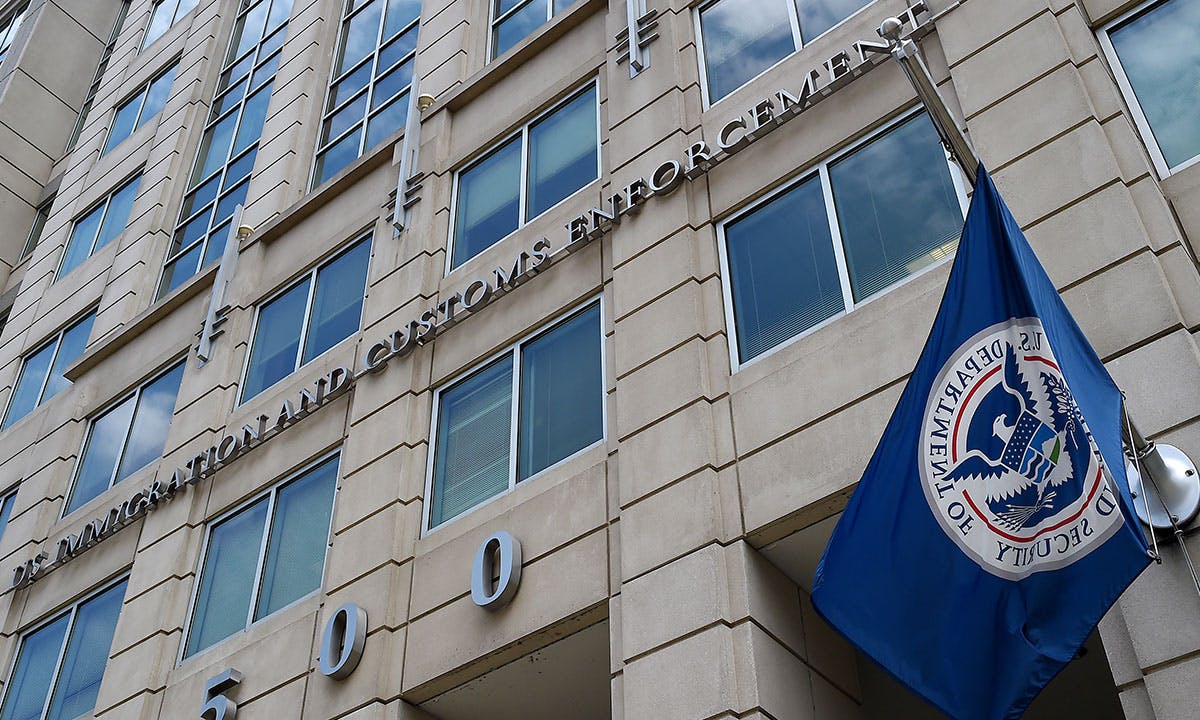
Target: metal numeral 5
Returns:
[216, 705]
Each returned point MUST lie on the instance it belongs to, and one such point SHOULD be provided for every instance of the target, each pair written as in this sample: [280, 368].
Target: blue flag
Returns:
[993, 527]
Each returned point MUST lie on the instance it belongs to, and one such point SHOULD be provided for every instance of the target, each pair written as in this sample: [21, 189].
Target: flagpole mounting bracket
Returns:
[1173, 495]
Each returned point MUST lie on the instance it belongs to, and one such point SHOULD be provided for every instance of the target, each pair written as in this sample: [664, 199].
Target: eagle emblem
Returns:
[1044, 447]
[1008, 465]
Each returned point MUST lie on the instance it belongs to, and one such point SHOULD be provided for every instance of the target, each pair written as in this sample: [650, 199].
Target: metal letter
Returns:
[482, 591]
[216, 705]
[343, 641]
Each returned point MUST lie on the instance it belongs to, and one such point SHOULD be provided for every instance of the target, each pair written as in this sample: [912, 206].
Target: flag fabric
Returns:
[993, 527]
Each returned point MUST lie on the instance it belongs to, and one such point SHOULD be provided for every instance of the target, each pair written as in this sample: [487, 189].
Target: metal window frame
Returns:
[494, 21]
[147, 41]
[1145, 129]
[142, 95]
[514, 350]
[56, 340]
[798, 44]
[72, 611]
[820, 171]
[136, 396]
[231, 157]
[368, 91]
[270, 492]
[34, 236]
[101, 67]
[523, 191]
[310, 277]
[12, 24]
[105, 203]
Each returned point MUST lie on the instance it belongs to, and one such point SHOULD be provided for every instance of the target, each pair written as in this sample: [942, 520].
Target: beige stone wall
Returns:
[657, 530]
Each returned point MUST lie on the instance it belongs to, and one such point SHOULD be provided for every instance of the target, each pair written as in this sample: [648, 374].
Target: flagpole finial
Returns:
[891, 29]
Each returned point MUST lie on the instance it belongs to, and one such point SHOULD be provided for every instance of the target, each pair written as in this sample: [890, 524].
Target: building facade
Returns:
[564, 434]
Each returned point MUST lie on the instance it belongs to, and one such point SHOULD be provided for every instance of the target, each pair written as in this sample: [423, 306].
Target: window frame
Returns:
[272, 493]
[513, 350]
[136, 395]
[175, 16]
[819, 169]
[523, 191]
[309, 276]
[142, 93]
[1129, 95]
[494, 21]
[106, 203]
[38, 228]
[11, 26]
[370, 113]
[11, 494]
[211, 121]
[797, 42]
[72, 611]
[56, 340]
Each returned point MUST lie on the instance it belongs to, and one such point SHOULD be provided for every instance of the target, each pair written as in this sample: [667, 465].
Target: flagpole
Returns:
[1178, 474]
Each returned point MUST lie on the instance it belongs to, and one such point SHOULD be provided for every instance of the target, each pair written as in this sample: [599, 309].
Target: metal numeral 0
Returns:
[483, 592]
[343, 641]
[216, 705]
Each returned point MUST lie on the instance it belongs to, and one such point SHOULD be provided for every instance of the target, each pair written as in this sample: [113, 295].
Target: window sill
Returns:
[495, 70]
[316, 198]
[118, 338]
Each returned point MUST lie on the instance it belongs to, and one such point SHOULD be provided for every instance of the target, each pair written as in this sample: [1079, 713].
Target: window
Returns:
[99, 226]
[1156, 60]
[60, 664]
[485, 446]
[98, 77]
[221, 175]
[125, 438]
[166, 12]
[307, 319]
[859, 224]
[368, 95]
[6, 506]
[742, 38]
[139, 109]
[41, 376]
[526, 175]
[515, 20]
[39, 224]
[9, 30]
[263, 557]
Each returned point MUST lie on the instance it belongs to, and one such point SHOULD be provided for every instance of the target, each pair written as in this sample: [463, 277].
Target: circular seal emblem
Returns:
[1008, 466]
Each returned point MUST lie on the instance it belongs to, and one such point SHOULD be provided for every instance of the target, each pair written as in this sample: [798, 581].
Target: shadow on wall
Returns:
[1084, 689]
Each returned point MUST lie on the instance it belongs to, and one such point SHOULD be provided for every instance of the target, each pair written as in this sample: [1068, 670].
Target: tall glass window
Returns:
[1157, 62]
[90, 98]
[145, 104]
[858, 225]
[558, 381]
[60, 665]
[221, 175]
[263, 557]
[166, 12]
[99, 226]
[548, 160]
[369, 93]
[39, 225]
[515, 20]
[6, 508]
[742, 38]
[316, 313]
[41, 376]
[9, 27]
[125, 438]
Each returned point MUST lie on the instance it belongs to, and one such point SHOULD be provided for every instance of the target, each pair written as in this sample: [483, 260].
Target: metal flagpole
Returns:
[1174, 475]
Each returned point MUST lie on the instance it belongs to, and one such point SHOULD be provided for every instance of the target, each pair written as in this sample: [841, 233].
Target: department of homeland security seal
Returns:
[1009, 468]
